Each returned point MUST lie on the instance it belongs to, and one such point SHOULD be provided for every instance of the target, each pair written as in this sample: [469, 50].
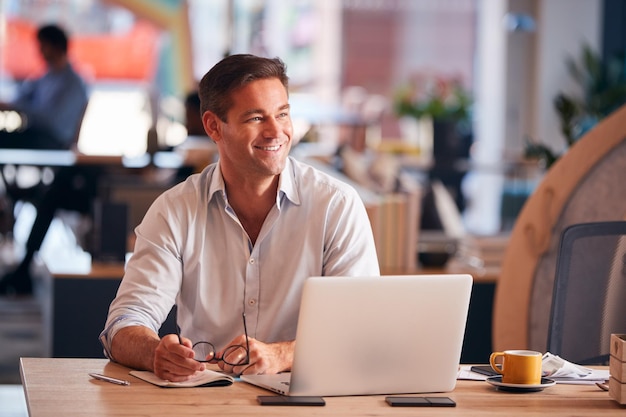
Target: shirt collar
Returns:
[286, 184]
[216, 184]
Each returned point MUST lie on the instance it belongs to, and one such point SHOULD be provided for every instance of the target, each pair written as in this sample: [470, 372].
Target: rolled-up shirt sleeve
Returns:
[106, 336]
[152, 278]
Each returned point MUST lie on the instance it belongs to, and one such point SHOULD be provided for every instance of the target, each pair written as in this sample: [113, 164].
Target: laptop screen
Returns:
[380, 335]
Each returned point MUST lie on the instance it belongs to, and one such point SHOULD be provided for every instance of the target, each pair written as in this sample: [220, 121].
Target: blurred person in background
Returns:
[198, 150]
[52, 108]
[53, 105]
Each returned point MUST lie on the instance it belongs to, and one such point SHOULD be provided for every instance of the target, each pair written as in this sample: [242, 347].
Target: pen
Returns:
[109, 379]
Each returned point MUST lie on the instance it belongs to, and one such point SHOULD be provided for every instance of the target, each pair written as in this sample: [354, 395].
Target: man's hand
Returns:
[175, 362]
[264, 358]
[140, 348]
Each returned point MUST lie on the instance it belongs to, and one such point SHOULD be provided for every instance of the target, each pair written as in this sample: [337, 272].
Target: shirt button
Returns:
[252, 301]
[252, 260]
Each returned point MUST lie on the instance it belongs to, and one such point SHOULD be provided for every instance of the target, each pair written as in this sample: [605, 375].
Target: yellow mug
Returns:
[518, 366]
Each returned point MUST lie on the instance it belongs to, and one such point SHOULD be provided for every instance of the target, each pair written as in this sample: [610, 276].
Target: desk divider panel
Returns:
[80, 306]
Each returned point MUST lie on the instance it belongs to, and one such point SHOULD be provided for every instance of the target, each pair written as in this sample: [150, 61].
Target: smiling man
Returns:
[232, 246]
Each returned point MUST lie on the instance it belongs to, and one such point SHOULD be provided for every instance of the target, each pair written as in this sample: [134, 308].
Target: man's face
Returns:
[256, 139]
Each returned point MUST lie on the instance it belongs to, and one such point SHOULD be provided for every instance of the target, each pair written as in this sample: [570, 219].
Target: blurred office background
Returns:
[141, 57]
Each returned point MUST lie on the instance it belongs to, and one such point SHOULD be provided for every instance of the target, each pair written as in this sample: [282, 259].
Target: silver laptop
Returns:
[376, 335]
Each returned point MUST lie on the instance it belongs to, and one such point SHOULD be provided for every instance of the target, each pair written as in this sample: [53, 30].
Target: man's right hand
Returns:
[140, 348]
[174, 361]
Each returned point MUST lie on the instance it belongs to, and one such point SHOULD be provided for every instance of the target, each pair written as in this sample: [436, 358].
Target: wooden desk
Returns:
[62, 158]
[62, 387]
[454, 266]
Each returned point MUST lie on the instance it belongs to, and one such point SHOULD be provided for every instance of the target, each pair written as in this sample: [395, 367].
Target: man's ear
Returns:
[212, 125]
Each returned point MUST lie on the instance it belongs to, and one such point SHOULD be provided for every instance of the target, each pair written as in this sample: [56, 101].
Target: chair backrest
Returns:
[589, 297]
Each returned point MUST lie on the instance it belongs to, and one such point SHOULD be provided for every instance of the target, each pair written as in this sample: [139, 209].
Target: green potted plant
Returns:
[603, 84]
[434, 96]
[442, 101]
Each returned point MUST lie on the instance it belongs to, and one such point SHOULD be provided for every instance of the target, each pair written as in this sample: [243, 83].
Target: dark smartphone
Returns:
[484, 370]
[287, 400]
[420, 402]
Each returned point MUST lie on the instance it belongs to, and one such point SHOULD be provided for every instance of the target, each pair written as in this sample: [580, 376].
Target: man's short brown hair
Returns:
[234, 72]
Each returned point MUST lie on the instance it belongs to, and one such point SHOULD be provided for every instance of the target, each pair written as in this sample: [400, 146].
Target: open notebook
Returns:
[376, 335]
[206, 378]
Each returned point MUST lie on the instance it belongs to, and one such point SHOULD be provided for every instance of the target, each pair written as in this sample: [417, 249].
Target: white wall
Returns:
[562, 27]
[520, 77]
[536, 70]
[483, 187]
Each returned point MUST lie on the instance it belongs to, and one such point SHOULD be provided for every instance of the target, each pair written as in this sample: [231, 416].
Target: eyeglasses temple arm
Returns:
[245, 331]
[180, 341]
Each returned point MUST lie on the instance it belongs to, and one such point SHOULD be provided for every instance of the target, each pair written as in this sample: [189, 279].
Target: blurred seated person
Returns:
[53, 105]
[198, 149]
[52, 108]
[193, 116]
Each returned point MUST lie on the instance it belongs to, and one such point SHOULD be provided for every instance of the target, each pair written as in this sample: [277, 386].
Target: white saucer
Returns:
[497, 382]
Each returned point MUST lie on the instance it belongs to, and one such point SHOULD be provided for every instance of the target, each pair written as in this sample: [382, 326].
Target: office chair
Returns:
[588, 302]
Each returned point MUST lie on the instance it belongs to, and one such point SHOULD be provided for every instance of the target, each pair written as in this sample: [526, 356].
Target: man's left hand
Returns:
[265, 358]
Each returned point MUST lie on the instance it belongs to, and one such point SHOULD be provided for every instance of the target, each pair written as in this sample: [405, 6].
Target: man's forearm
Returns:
[134, 346]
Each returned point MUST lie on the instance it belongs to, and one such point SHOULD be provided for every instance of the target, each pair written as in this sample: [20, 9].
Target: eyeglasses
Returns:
[205, 351]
